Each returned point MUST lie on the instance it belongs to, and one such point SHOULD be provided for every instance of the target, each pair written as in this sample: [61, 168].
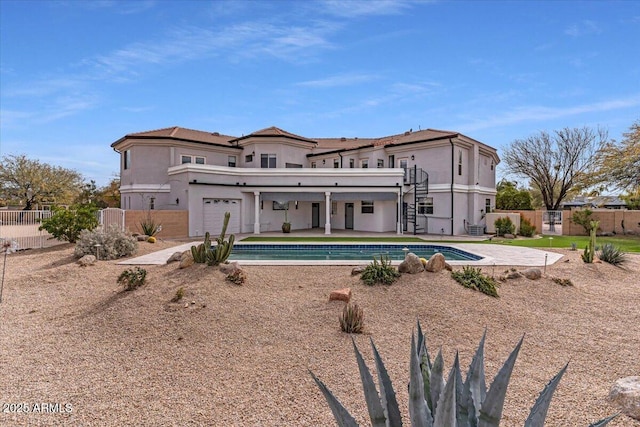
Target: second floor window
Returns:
[126, 159]
[364, 164]
[425, 206]
[336, 163]
[232, 161]
[352, 163]
[192, 159]
[267, 161]
[380, 163]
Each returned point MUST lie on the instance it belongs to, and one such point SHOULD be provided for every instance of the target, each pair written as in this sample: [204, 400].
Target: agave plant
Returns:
[436, 403]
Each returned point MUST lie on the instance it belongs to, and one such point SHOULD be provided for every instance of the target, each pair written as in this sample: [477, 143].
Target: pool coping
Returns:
[493, 255]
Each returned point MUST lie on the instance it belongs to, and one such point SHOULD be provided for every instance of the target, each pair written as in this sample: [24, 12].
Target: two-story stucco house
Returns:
[429, 181]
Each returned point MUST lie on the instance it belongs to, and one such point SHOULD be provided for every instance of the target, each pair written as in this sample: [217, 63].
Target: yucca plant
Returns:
[590, 249]
[612, 254]
[380, 272]
[436, 403]
[352, 319]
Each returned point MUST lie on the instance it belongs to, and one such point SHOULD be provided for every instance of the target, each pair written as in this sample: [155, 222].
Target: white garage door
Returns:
[214, 210]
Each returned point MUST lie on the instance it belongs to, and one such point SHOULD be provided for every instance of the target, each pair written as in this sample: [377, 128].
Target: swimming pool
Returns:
[343, 252]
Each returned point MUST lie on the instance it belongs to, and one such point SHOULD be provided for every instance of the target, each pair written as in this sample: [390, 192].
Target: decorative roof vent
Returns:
[343, 139]
[216, 134]
[407, 133]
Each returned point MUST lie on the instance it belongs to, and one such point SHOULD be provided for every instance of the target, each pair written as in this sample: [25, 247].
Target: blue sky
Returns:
[77, 75]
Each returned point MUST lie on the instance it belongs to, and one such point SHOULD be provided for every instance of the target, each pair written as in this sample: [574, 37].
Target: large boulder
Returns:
[87, 260]
[411, 264]
[436, 263]
[177, 256]
[229, 268]
[626, 394]
[532, 273]
[340, 295]
[187, 260]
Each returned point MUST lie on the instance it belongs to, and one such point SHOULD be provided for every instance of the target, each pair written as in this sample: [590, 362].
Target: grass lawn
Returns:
[626, 244]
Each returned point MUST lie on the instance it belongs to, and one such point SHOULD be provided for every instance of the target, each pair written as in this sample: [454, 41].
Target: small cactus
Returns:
[204, 253]
[352, 319]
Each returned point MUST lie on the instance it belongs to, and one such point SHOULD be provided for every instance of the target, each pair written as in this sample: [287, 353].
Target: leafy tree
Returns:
[557, 162]
[102, 197]
[583, 217]
[509, 197]
[619, 164]
[33, 182]
[66, 224]
[632, 200]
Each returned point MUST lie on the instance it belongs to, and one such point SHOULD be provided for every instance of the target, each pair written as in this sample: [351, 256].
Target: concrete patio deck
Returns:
[493, 254]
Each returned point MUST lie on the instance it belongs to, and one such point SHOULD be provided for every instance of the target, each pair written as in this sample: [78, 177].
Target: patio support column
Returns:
[327, 212]
[256, 215]
[399, 224]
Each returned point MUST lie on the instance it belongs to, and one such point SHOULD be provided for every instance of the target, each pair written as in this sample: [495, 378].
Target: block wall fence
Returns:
[175, 224]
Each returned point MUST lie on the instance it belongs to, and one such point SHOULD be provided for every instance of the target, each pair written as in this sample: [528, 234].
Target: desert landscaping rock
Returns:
[340, 295]
[70, 334]
[87, 260]
[186, 261]
[436, 263]
[142, 238]
[411, 264]
[177, 256]
[626, 394]
[229, 268]
[358, 269]
[532, 273]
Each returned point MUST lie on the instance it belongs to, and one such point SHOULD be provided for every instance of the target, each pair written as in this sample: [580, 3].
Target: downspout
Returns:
[453, 170]
[340, 159]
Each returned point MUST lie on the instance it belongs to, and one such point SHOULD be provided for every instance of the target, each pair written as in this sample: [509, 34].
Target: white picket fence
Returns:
[22, 227]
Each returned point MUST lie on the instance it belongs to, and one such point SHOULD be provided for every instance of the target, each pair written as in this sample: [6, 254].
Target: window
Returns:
[367, 207]
[460, 162]
[425, 206]
[336, 163]
[491, 164]
[192, 159]
[364, 164]
[392, 161]
[404, 164]
[334, 208]
[292, 165]
[126, 159]
[352, 163]
[313, 165]
[380, 163]
[232, 161]
[152, 203]
[267, 161]
[277, 206]
[248, 158]
[487, 205]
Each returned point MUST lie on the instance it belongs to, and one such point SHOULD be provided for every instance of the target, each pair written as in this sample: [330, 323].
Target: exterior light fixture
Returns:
[413, 157]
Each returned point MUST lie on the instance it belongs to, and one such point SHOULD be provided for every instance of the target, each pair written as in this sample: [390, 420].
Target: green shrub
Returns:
[612, 254]
[237, 276]
[380, 272]
[526, 228]
[352, 319]
[583, 217]
[504, 226]
[434, 402]
[67, 224]
[179, 295]
[114, 243]
[132, 278]
[473, 278]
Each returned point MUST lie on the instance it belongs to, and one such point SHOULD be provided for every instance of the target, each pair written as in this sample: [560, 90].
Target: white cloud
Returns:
[583, 28]
[357, 8]
[339, 80]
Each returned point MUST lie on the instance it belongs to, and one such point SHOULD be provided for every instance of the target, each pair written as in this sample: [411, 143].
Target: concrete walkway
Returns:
[493, 254]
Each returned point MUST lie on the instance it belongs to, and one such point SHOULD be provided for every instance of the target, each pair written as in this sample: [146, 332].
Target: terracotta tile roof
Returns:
[274, 131]
[403, 138]
[184, 133]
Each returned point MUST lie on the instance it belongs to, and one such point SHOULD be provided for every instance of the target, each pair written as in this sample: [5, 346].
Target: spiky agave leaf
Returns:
[446, 411]
[539, 410]
[491, 410]
[425, 368]
[437, 381]
[419, 412]
[376, 413]
[340, 413]
[462, 410]
[387, 394]
[475, 388]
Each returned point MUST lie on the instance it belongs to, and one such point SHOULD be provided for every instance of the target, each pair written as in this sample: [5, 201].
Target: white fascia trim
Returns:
[145, 188]
[288, 172]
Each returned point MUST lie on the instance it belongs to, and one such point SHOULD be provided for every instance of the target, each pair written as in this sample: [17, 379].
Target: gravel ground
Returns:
[239, 355]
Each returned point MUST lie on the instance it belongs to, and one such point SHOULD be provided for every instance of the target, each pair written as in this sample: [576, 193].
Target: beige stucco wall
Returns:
[175, 224]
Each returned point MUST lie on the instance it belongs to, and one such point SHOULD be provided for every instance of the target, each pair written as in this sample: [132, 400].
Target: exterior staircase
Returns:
[418, 179]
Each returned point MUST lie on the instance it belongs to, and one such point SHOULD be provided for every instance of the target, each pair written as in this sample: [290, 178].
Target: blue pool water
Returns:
[332, 252]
